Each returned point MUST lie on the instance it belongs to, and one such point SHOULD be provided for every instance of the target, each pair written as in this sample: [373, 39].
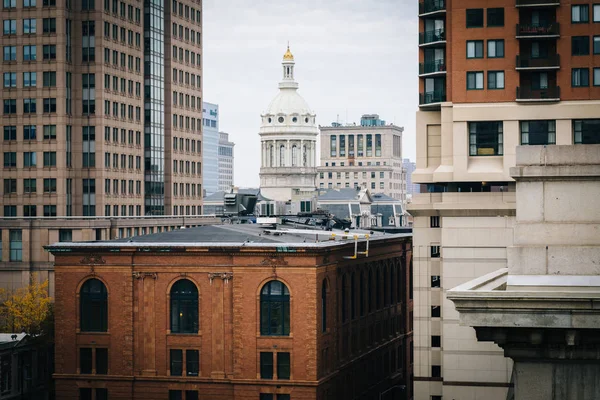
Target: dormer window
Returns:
[270, 120]
[294, 119]
[281, 120]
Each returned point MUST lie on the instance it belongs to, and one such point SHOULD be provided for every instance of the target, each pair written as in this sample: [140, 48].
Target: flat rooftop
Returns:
[236, 235]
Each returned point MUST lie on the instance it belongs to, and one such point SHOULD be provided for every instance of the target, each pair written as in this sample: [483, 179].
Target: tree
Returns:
[29, 309]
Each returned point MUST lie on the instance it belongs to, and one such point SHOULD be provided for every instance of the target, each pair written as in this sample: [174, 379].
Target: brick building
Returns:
[230, 312]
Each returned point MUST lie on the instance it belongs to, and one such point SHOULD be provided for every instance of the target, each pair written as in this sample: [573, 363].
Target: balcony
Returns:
[528, 94]
[432, 7]
[545, 30]
[432, 98]
[432, 38]
[432, 68]
[538, 3]
[538, 63]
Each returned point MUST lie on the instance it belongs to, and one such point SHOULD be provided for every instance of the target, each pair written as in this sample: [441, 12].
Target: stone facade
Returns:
[485, 89]
[347, 161]
[362, 351]
[540, 309]
[288, 135]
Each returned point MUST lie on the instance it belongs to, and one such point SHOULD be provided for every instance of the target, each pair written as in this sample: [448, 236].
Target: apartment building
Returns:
[226, 168]
[368, 155]
[174, 316]
[493, 75]
[118, 132]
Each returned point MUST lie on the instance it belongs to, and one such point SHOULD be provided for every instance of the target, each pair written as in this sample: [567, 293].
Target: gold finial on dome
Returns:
[288, 56]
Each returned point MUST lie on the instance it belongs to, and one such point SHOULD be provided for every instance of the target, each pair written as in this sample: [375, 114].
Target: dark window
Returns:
[435, 251]
[283, 365]
[101, 394]
[324, 305]
[538, 132]
[474, 48]
[580, 77]
[434, 221]
[266, 396]
[275, 309]
[475, 80]
[580, 45]
[596, 76]
[85, 394]
[191, 395]
[495, 17]
[184, 307]
[175, 395]
[283, 397]
[192, 362]
[436, 311]
[436, 371]
[436, 341]
[435, 281]
[94, 306]
[436, 397]
[580, 13]
[102, 361]
[486, 138]
[266, 365]
[495, 48]
[176, 357]
[596, 43]
[495, 79]
[475, 18]
[586, 131]
[85, 360]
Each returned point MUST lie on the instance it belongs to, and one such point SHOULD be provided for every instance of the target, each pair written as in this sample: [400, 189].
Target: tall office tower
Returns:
[368, 155]
[100, 117]
[409, 168]
[493, 75]
[210, 156]
[225, 162]
[118, 85]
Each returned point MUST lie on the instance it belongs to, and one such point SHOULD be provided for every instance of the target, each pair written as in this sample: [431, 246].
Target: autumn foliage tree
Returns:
[28, 309]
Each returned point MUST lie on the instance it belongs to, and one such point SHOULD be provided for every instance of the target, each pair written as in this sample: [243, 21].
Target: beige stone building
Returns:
[542, 309]
[101, 113]
[368, 155]
[484, 90]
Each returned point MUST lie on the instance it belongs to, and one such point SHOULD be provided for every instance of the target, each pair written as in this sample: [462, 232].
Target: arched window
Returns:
[275, 309]
[184, 307]
[294, 156]
[271, 156]
[304, 155]
[93, 300]
[344, 298]
[352, 296]
[282, 156]
[324, 305]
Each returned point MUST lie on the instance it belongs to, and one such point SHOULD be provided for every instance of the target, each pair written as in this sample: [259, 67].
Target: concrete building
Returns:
[210, 149]
[103, 140]
[409, 168]
[226, 166]
[369, 156]
[485, 89]
[106, 142]
[288, 135]
[541, 309]
[221, 312]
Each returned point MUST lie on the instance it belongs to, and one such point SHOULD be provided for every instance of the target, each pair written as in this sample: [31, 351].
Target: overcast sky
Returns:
[353, 57]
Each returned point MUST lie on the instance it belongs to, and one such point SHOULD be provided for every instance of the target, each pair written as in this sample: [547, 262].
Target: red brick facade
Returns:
[361, 356]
